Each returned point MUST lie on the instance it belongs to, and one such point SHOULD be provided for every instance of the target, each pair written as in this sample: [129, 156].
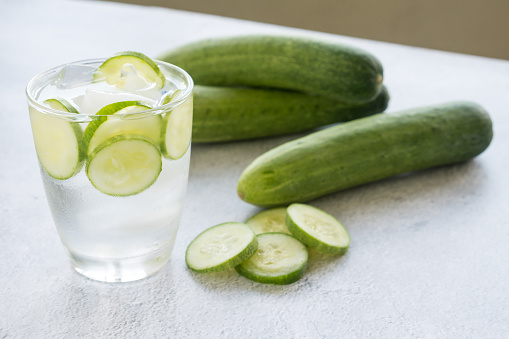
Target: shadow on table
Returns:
[444, 187]
[230, 280]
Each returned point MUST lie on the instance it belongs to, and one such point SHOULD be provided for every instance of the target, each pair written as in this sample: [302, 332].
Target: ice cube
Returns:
[93, 100]
[132, 80]
[73, 76]
[136, 84]
[152, 93]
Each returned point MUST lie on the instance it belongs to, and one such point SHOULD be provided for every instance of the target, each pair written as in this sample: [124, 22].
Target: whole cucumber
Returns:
[322, 67]
[228, 113]
[365, 150]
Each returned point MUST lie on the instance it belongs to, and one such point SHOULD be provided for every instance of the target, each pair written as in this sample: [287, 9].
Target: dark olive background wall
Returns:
[479, 27]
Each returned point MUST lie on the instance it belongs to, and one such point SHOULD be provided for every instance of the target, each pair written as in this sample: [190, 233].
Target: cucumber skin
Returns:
[284, 280]
[366, 150]
[227, 113]
[311, 65]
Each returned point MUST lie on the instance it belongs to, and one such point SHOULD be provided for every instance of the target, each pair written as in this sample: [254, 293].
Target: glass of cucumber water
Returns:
[113, 141]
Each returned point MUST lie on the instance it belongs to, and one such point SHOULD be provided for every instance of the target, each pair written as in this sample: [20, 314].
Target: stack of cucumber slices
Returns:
[271, 246]
[123, 156]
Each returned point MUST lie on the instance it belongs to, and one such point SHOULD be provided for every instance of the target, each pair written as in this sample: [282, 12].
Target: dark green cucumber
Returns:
[365, 150]
[323, 67]
[228, 113]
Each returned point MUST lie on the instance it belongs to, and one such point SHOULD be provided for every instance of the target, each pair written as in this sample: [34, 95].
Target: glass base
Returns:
[120, 270]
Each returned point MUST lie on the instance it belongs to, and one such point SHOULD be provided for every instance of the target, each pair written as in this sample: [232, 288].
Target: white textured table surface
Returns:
[429, 250]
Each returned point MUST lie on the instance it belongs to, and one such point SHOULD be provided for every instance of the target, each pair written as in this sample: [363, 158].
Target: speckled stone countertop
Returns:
[429, 250]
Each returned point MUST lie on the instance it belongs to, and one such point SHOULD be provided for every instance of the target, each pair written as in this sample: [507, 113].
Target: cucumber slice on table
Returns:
[124, 165]
[106, 127]
[57, 141]
[111, 69]
[281, 259]
[273, 220]
[221, 247]
[317, 229]
[177, 130]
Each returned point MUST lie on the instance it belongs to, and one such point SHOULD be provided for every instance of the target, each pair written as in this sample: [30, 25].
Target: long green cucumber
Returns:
[322, 67]
[228, 113]
[365, 150]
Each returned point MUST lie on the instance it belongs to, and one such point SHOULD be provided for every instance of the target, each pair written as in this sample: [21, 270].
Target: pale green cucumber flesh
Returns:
[221, 247]
[61, 104]
[366, 150]
[317, 229]
[111, 69]
[111, 122]
[124, 165]
[177, 130]
[326, 68]
[273, 220]
[229, 113]
[57, 143]
[281, 259]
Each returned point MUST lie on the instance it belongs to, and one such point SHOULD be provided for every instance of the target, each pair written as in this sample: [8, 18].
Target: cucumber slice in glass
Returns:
[124, 165]
[111, 69]
[317, 229]
[106, 127]
[58, 142]
[273, 220]
[221, 247]
[281, 259]
[177, 130]
[61, 104]
[169, 96]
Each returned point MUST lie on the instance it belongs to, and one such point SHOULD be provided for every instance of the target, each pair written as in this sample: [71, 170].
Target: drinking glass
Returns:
[116, 206]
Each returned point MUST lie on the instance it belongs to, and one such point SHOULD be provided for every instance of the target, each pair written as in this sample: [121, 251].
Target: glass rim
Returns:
[29, 90]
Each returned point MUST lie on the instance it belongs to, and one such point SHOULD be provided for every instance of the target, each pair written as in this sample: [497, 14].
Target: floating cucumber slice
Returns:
[124, 165]
[273, 220]
[168, 97]
[111, 69]
[57, 141]
[317, 229]
[106, 127]
[281, 259]
[221, 247]
[61, 104]
[177, 129]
